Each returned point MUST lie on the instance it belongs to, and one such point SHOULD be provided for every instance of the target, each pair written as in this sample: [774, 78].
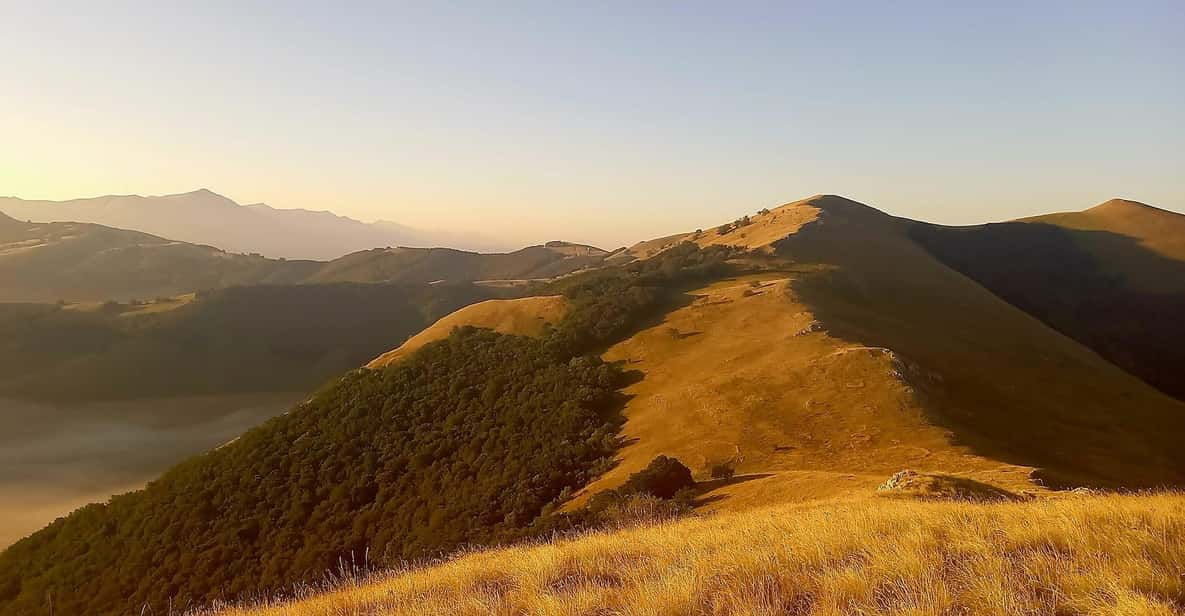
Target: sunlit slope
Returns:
[755, 232]
[744, 373]
[526, 316]
[1003, 382]
[869, 356]
[433, 264]
[1080, 555]
[857, 354]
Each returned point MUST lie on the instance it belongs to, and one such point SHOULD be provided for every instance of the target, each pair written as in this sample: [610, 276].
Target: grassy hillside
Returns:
[241, 339]
[432, 264]
[524, 316]
[47, 262]
[854, 354]
[1111, 277]
[78, 262]
[1005, 385]
[1076, 555]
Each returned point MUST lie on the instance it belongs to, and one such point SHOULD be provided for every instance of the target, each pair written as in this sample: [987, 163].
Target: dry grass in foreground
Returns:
[1074, 555]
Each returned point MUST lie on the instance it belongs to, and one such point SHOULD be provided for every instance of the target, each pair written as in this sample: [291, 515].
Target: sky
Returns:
[600, 122]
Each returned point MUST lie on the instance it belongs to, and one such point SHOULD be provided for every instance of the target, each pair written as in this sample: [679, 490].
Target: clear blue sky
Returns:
[606, 123]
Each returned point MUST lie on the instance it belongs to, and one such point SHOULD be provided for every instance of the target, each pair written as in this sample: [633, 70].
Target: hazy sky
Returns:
[606, 123]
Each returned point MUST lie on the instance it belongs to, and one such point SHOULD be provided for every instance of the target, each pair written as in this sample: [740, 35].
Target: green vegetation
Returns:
[607, 304]
[471, 440]
[465, 442]
[242, 339]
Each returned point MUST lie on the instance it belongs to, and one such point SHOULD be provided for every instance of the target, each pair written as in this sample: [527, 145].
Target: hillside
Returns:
[47, 262]
[409, 265]
[1079, 555]
[205, 217]
[861, 354]
[80, 262]
[264, 338]
[525, 316]
[1112, 277]
[474, 439]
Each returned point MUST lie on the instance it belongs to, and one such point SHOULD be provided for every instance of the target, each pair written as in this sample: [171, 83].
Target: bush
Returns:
[664, 477]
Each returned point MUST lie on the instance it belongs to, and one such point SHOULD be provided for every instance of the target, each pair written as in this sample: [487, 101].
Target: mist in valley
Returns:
[55, 458]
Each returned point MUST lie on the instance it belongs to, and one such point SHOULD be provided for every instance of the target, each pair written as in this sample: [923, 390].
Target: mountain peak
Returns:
[1121, 204]
[1126, 208]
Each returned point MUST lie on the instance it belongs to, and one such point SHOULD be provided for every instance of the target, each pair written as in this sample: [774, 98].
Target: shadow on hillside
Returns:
[1092, 286]
[705, 488]
[884, 290]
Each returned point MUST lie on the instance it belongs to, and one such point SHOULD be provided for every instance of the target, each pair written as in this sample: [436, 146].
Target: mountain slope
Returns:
[432, 264]
[1159, 230]
[263, 338]
[1082, 555]
[471, 440]
[77, 261]
[1111, 277]
[524, 316]
[204, 217]
[856, 353]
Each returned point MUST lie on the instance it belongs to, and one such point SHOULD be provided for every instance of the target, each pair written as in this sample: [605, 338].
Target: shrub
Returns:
[664, 477]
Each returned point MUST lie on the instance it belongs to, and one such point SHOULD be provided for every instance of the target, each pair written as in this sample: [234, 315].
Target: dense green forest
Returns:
[472, 440]
[241, 339]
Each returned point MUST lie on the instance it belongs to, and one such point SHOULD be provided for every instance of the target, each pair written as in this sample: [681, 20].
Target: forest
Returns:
[474, 440]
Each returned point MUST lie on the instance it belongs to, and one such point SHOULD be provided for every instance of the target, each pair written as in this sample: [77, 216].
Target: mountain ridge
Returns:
[206, 217]
[73, 262]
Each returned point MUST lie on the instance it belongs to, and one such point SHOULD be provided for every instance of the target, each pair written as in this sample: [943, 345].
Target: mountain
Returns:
[804, 353]
[45, 262]
[433, 264]
[81, 262]
[261, 338]
[1112, 277]
[205, 217]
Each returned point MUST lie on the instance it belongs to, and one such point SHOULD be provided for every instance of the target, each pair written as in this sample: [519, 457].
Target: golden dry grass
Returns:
[763, 230]
[1071, 555]
[739, 372]
[527, 316]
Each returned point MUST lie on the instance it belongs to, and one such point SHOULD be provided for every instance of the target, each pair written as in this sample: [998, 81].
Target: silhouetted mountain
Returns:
[46, 262]
[205, 217]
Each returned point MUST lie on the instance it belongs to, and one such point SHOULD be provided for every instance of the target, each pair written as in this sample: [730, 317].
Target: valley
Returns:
[55, 458]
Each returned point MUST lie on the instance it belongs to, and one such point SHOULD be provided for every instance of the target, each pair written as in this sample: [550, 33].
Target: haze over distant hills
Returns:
[71, 261]
[205, 217]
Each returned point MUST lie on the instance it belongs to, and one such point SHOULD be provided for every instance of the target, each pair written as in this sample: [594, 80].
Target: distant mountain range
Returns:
[205, 217]
[73, 261]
